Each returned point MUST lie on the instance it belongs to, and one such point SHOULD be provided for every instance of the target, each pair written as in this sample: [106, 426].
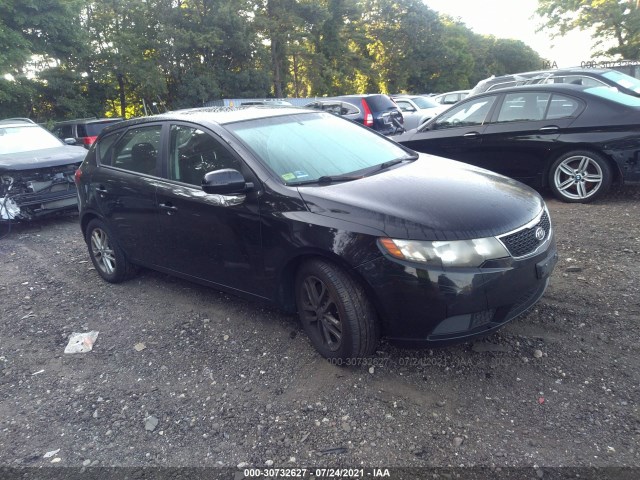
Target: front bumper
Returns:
[28, 194]
[421, 306]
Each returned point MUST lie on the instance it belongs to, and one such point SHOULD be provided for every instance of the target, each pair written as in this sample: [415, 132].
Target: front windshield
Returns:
[25, 139]
[623, 80]
[307, 146]
[424, 102]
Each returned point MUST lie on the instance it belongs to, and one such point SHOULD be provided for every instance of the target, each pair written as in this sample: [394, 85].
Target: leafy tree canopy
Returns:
[617, 20]
[76, 58]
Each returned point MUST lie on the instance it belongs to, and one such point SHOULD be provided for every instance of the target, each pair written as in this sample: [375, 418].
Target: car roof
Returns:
[23, 122]
[558, 71]
[578, 70]
[558, 87]
[89, 120]
[361, 95]
[219, 115]
[548, 87]
[465, 90]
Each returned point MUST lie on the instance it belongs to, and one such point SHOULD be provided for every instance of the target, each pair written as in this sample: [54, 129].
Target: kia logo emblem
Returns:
[540, 233]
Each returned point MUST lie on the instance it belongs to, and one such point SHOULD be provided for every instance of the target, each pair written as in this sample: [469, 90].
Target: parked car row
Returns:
[376, 111]
[330, 211]
[588, 77]
[417, 109]
[83, 131]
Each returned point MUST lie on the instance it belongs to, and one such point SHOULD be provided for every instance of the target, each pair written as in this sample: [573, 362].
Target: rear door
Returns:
[125, 189]
[519, 141]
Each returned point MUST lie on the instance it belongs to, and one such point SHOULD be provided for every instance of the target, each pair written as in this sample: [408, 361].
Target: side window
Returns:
[405, 106]
[334, 108]
[137, 150]
[580, 80]
[450, 99]
[348, 109]
[192, 153]
[470, 113]
[82, 130]
[63, 131]
[105, 149]
[562, 106]
[518, 107]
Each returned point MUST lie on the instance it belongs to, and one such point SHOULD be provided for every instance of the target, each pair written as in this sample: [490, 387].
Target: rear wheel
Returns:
[335, 311]
[579, 176]
[107, 257]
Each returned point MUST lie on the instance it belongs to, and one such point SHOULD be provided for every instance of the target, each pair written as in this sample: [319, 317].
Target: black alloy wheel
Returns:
[335, 312]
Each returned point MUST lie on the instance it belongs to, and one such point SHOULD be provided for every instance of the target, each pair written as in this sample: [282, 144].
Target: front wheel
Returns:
[579, 176]
[335, 311]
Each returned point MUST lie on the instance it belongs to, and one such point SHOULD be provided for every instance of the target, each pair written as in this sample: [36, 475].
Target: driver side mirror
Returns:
[225, 181]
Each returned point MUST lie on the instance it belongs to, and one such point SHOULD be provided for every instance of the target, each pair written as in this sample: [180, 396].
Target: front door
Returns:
[215, 238]
[457, 133]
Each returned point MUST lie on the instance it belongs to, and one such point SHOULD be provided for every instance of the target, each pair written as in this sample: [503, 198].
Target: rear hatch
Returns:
[388, 118]
[88, 132]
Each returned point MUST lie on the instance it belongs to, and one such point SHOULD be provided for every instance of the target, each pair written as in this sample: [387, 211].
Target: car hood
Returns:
[48, 157]
[430, 199]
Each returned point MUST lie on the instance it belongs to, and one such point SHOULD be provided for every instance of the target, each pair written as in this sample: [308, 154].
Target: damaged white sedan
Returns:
[36, 171]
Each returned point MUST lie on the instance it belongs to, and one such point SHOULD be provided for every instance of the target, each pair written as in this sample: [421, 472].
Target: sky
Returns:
[516, 19]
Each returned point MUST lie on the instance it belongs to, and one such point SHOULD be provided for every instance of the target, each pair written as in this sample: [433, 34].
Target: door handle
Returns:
[102, 189]
[168, 206]
[551, 128]
[471, 135]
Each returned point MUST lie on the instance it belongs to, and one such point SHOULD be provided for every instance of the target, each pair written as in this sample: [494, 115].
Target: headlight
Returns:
[455, 253]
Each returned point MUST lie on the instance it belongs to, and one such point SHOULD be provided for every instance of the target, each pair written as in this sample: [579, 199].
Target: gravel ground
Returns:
[182, 375]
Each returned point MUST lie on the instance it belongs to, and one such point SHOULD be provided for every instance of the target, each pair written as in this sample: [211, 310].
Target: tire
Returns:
[107, 257]
[580, 176]
[335, 312]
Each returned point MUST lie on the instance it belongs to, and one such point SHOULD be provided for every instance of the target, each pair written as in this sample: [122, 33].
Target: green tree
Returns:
[34, 34]
[617, 20]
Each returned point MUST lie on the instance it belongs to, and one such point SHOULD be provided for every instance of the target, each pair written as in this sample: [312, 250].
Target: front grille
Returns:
[524, 242]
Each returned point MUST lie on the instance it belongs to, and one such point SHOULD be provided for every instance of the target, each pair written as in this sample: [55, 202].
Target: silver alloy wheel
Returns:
[103, 251]
[321, 312]
[578, 177]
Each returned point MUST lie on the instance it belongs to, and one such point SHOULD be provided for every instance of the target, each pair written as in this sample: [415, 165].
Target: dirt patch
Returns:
[220, 381]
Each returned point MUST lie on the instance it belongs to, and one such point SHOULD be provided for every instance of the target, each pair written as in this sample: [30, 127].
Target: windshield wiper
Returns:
[327, 179]
[338, 178]
[348, 177]
[396, 161]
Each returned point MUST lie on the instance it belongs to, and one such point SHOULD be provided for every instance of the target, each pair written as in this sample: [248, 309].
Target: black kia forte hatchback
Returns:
[361, 236]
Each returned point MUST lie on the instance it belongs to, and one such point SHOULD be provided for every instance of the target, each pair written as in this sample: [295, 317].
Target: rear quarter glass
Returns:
[380, 103]
[94, 129]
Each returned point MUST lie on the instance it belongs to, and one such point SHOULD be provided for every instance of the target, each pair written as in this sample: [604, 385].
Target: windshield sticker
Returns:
[287, 177]
[301, 174]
